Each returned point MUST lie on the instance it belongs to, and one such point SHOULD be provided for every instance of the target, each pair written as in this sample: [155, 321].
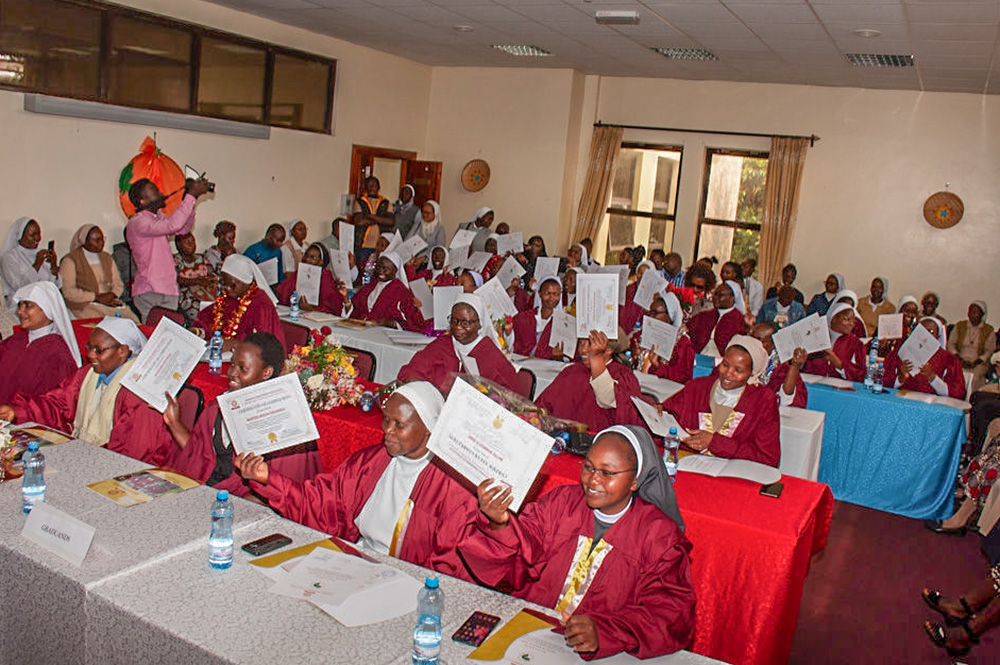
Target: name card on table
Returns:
[62, 534]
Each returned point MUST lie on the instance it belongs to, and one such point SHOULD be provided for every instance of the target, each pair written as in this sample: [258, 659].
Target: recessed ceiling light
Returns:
[867, 33]
[462, 28]
[879, 60]
[521, 50]
[685, 53]
[617, 17]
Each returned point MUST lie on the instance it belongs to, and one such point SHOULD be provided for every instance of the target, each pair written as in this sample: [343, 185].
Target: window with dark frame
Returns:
[85, 49]
[732, 204]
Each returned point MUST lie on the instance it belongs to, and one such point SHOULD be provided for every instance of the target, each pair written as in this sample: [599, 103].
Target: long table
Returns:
[751, 553]
[145, 592]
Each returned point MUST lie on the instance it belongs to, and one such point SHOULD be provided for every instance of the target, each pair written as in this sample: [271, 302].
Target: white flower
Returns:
[332, 341]
[314, 382]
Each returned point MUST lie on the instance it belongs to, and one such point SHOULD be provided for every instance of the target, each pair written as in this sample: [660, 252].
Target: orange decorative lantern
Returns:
[153, 165]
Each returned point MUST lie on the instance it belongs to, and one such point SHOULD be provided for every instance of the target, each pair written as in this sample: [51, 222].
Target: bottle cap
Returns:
[218, 333]
[222, 495]
[431, 582]
[33, 446]
[673, 431]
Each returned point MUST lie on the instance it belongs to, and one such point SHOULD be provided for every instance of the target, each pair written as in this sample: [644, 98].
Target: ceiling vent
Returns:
[522, 50]
[686, 53]
[879, 60]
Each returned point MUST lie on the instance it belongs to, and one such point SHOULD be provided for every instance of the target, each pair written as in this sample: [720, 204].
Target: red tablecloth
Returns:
[751, 552]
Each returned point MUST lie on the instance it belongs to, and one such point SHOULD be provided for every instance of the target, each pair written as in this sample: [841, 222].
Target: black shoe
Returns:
[936, 527]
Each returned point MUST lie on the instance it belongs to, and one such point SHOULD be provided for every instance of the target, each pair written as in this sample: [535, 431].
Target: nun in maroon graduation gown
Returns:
[596, 391]
[722, 322]
[680, 367]
[533, 327]
[245, 306]
[609, 553]
[846, 360]
[942, 375]
[437, 273]
[470, 348]
[91, 403]
[388, 300]
[731, 415]
[205, 453]
[394, 498]
[330, 299]
[44, 352]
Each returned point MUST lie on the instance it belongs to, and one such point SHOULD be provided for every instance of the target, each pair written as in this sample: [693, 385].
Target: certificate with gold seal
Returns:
[480, 439]
[164, 363]
[271, 415]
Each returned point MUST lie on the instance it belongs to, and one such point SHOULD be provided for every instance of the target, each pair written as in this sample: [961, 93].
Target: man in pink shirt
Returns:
[147, 230]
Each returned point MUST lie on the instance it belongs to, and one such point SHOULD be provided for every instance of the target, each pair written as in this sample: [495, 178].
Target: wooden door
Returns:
[363, 161]
[425, 178]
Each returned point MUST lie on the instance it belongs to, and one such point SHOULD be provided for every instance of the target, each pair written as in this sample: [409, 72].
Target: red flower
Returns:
[974, 492]
[326, 330]
[316, 336]
[974, 466]
[991, 474]
[684, 293]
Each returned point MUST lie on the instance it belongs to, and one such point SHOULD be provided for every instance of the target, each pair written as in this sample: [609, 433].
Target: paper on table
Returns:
[268, 416]
[345, 236]
[510, 242]
[341, 266]
[658, 336]
[520, 624]
[411, 247]
[480, 439]
[509, 271]
[307, 283]
[396, 598]
[331, 577]
[546, 266]
[444, 298]
[498, 303]
[407, 337]
[659, 423]
[138, 487]
[652, 282]
[729, 468]
[462, 238]
[811, 333]
[563, 332]
[422, 292]
[320, 317]
[622, 272]
[164, 363]
[478, 261]
[890, 326]
[596, 295]
[269, 269]
[918, 348]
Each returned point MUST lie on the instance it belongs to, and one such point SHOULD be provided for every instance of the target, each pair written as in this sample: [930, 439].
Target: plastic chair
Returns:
[526, 383]
[363, 361]
[295, 335]
[157, 313]
[191, 402]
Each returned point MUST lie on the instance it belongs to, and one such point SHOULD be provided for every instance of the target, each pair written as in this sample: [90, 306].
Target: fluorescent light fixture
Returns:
[617, 17]
[685, 53]
[879, 60]
[521, 50]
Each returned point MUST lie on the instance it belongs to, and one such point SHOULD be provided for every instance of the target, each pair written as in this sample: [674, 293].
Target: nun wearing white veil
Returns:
[21, 260]
[247, 305]
[388, 300]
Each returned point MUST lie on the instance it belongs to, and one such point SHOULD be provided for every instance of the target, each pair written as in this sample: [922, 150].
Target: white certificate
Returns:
[410, 248]
[341, 266]
[269, 269]
[444, 298]
[395, 240]
[345, 236]
[659, 423]
[271, 415]
[509, 271]
[480, 439]
[563, 332]
[510, 242]
[462, 238]
[811, 334]
[597, 304]
[164, 363]
[498, 303]
[546, 266]
[658, 336]
[918, 348]
[478, 261]
[458, 257]
[622, 272]
[652, 282]
[422, 292]
[890, 326]
[307, 283]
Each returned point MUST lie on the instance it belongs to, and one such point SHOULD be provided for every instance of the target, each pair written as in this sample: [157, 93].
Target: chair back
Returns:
[363, 361]
[191, 402]
[295, 335]
[526, 383]
[157, 313]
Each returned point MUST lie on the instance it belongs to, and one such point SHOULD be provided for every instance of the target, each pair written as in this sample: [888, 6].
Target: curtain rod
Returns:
[812, 137]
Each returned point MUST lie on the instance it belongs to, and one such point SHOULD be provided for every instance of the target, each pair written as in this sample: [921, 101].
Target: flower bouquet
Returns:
[500, 326]
[522, 407]
[9, 453]
[325, 371]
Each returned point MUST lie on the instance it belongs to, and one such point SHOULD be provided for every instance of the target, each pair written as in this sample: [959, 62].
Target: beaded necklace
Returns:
[233, 324]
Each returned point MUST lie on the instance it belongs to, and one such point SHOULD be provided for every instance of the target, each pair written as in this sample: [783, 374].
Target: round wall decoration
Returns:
[475, 175]
[943, 210]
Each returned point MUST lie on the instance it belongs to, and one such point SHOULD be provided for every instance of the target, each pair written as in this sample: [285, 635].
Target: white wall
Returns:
[64, 171]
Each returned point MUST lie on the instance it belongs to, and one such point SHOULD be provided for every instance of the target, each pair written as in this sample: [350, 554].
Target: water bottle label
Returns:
[427, 652]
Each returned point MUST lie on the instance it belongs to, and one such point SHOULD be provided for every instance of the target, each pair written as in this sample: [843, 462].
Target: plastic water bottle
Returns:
[560, 442]
[872, 362]
[427, 633]
[215, 353]
[879, 376]
[220, 541]
[33, 481]
[670, 447]
[367, 401]
[293, 312]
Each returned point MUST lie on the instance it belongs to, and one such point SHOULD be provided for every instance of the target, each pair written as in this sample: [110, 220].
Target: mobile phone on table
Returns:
[772, 490]
[267, 544]
[476, 629]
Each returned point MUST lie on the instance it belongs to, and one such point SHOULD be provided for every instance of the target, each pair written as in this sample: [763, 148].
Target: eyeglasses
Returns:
[603, 474]
[463, 323]
[98, 350]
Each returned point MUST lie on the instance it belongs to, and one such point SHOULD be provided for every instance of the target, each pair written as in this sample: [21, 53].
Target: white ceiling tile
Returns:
[954, 12]
[774, 13]
[692, 13]
[953, 48]
[859, 13]
[946, 31]
[487, 13]
[791, 31]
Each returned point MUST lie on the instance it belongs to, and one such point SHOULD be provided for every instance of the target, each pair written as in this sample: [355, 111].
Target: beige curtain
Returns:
[604, 148]
[781, 203]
